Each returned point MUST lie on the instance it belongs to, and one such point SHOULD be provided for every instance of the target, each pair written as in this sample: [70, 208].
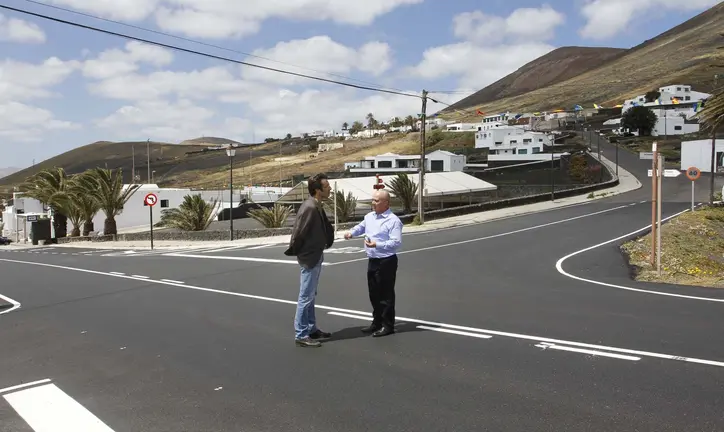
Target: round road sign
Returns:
[151, 199]
[693, 173]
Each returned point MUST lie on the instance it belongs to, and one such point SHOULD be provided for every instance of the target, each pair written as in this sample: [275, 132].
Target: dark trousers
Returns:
[381, 274]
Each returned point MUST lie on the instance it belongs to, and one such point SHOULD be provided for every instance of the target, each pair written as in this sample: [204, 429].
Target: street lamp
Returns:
[231, 152]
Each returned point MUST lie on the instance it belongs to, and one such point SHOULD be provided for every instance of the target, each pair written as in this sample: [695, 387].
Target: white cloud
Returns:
[115, 62]
[17, 30]
[22, 81]
[318, 53]
[606, 18]
[233, 18]
[25, 123]
[525, 24]
[159, 120]
[482, 58]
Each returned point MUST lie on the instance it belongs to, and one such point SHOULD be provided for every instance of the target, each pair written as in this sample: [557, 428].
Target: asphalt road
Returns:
[507, 325]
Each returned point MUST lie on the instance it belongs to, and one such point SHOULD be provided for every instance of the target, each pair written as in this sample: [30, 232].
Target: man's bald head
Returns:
[380, 201]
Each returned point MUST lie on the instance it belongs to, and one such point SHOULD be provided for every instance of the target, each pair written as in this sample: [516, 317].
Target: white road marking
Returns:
[494, 235]
[48, 409]
[365, 317]
[559, 267]
[359, 314]
[15, 305]
[586, 351]
[264, 246]
[140, 277]
[172, 281]
[118, 274]
[235, 258]
[457, 332]
[17, 387]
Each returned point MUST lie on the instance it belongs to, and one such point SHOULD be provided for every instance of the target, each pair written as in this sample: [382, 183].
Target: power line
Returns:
[173, 47]
[207, 44]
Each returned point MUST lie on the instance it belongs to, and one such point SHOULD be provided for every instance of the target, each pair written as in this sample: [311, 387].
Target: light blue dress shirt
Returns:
[385, 229]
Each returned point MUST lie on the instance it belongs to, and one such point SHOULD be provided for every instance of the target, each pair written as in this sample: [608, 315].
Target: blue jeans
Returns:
[305, 322]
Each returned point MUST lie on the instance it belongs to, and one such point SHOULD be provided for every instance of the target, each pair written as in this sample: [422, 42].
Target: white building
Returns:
[509, 140]
[369, 133]
[16, 211]
[698, 154]
[437, 161]
[673, 125]
[462, 127]
[681, 95]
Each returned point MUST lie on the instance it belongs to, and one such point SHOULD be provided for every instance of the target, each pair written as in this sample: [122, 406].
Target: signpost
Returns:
[693, 173]
[646, 155]
[150, 200]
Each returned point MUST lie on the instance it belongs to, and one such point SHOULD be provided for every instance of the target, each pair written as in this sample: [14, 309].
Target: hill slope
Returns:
[686, 54]
[210, 141]
[556, 66]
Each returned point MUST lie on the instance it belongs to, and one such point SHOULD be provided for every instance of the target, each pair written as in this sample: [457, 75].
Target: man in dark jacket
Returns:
[311, 235]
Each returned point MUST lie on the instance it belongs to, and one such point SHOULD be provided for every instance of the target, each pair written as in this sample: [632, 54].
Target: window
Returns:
[527, 140]
[384, 164]
[514, 141]
[540, 139]
[522, 151]
[164, 203]
[436, 166]
[536, 149]
[687, 97]
[675, 128]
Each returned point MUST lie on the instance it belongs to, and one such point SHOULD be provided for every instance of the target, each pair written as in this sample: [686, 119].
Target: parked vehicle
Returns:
[5, 240]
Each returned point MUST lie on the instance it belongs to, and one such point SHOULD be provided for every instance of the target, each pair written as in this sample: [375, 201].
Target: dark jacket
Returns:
[311, 235]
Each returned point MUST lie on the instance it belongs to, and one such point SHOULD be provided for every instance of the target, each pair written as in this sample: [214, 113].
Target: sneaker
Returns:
[319, 334]
[307, 342]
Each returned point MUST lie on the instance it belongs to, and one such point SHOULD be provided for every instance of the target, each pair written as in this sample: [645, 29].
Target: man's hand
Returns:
[347, 236]
[370, 244]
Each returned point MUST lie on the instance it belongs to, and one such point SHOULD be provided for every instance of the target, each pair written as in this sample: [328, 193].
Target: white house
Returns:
[437, 161]
[673, 125]
[698, 154]
[509, 140]
[15, 212]
[369, 133]
[681, 96]
[462, 127]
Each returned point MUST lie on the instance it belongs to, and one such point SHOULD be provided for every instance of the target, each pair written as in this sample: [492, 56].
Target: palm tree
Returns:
[345, 206]
[106, 188]
[712, 117]
[345, 125]
[405, 190]
[276, 217]
[83, 203]
[49, 187]
[194, 214]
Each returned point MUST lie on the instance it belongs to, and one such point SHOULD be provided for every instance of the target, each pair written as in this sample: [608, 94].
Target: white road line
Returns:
[48, 408]
[586, 351]
[9, 389]
[117, 273]
[140, 277]
[494, 235]
[260, 247]
[234, 258]
[366, 317]
[457, 332]
[172, 281]
[15, 305]
[413, 320]
[559, 267]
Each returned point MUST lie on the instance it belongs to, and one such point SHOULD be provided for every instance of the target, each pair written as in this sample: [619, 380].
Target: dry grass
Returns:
[692, 250]
[266, 169]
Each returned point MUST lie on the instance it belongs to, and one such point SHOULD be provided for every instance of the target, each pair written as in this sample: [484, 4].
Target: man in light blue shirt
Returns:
[383, 238]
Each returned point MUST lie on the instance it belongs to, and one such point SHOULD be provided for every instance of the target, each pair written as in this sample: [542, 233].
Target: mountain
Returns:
[685, 54]
[210, 141]
[4, 172]
[556, 66]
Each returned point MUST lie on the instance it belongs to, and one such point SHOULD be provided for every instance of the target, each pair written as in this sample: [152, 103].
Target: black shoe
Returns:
[319, 334]
[384, 331]
[372, 328]
[307, 342]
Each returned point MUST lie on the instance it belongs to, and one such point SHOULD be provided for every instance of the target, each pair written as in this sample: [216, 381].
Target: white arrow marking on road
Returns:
[48, 409]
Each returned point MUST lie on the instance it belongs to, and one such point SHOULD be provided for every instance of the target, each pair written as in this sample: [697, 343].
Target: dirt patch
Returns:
[692, 250]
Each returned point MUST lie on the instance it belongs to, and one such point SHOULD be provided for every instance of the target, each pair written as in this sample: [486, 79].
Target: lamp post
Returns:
[231, 152]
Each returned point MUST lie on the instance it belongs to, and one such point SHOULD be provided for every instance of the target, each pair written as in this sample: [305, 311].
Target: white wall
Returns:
[505, 136]
[673, 125]
[698, 154]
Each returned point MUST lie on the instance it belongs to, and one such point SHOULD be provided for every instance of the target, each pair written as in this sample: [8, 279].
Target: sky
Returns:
[62, 87]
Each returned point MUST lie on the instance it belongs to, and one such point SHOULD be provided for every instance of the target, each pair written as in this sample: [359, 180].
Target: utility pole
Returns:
[713, 160]
[421, 181]
[148, 158]
[133, 164]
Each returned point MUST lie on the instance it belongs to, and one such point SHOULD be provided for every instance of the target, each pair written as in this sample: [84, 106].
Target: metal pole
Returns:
[335, 208]
[658, 228]
[713, 163]
[654, 168]
[616, 160]
[150, 213]
[553, 179]
[231, 198]
[421, 181]
[692, 196]
[148, 159]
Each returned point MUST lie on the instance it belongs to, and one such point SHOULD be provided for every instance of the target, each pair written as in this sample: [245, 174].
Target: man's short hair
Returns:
[315, 182]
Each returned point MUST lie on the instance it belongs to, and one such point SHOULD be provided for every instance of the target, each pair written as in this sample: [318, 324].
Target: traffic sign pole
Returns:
[658, 215]
[654, 195]
[150, 200]
[693, 173]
